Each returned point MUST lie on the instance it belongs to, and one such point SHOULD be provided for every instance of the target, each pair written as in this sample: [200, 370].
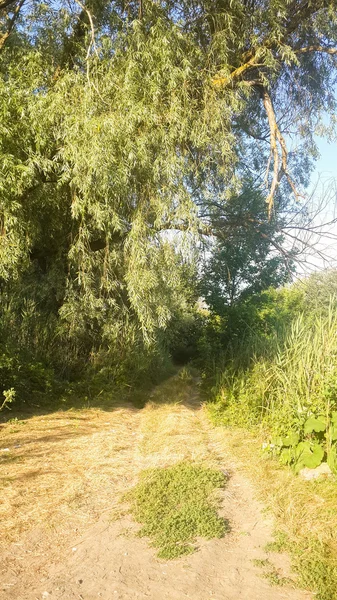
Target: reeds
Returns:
[293, 377]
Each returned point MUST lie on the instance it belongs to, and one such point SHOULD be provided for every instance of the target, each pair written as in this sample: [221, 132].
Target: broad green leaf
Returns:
[286, 456]
[278, 442]
[302, 447]
[315, 424]
[311, 458]
[291, 440]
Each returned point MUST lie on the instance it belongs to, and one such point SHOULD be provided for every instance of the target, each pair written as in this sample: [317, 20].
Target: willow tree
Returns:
[122, 126]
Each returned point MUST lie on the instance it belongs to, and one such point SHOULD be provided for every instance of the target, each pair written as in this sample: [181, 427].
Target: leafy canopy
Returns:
[128, 130]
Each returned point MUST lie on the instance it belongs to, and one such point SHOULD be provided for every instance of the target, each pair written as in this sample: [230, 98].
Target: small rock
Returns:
[45, 595]
[74, 549]
[322, 471]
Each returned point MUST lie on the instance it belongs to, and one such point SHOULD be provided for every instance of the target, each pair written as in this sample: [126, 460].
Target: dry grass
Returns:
[76, 463]
[67, 466]
[64, 469]
[173, 431]
[303, 507]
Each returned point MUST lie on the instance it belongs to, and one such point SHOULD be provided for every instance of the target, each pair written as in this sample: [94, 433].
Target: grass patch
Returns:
[176, 505]
[314, 561]
[271, 573]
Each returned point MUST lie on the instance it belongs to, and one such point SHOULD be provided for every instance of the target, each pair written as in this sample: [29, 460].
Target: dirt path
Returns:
[104, 559]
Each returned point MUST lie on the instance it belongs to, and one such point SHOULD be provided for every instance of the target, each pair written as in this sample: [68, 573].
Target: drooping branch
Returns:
[84, 23]
[298, 12]
[92, 43]
[202, 228]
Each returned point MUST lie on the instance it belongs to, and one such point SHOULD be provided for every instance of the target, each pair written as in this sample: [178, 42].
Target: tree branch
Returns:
[221, 82]
[326, 49]
[6, 3]
[92, 28]
[11, 24]
[276, 138]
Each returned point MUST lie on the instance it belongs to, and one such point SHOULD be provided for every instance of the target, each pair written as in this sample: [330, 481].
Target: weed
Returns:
[271, 573]
[176, 505]
[16, 421]
[290, 393]
[316, 566]
[275, 578]
[9, 396]
[279, 544]
[263, 563]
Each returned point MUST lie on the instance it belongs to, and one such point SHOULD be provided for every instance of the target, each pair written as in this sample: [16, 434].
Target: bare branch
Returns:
[326, 49]
[276, 140]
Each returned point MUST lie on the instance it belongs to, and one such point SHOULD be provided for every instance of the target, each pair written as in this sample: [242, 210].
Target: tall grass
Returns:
[291, 379]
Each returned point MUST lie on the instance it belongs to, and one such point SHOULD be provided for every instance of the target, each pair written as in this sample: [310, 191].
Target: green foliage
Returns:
[176, 505]
[280, 381]
[283, 378]
[119, 146]
[257, 326]
[24, 375]
[270, 572]
[317, 570]
[243, 260]
[317, 436]
[185, 375]
[184, 334]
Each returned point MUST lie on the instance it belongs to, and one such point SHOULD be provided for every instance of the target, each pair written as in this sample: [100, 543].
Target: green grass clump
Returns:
[318, 573]
[271, 573]
[176, 505]
[314, 563]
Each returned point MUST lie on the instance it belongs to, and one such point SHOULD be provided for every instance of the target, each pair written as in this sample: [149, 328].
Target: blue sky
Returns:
[327, 164]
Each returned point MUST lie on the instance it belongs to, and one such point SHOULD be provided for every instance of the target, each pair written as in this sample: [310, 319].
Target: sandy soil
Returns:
[103, 558]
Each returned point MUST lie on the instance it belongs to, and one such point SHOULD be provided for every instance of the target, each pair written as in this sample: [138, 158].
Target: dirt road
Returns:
[87, 547]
